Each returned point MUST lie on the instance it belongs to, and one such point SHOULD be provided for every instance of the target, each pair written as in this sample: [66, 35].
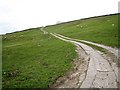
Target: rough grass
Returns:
[103, 30]
[31, 59]
[34, 60]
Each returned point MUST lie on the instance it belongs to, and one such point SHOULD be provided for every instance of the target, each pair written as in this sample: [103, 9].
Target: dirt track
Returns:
[93, 69]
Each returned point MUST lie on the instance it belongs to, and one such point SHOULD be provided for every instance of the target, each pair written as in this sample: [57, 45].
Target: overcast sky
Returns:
[21, 14]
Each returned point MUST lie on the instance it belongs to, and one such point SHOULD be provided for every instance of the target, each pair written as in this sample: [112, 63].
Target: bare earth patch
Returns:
[74, 78]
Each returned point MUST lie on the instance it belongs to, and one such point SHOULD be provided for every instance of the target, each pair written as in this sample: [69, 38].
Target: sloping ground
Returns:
[95, 72]
[112, 50]
[99, 33]
[102, 30]
[32, 59]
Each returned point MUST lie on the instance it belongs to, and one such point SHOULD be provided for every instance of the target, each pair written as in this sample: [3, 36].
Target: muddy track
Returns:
[93, 69]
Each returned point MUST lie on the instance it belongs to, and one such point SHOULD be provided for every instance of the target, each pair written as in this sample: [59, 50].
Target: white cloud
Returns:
[21, 14]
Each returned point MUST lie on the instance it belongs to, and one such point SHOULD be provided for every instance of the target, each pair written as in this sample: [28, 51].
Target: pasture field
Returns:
[103, 30]
[32, 59]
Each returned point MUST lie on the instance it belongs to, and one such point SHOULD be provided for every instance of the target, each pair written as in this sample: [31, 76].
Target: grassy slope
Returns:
[32, 59]
[97, 29]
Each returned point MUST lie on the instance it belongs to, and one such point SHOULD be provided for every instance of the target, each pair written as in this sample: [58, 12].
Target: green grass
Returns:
[99, 29]
[91, 45]
[33, 60]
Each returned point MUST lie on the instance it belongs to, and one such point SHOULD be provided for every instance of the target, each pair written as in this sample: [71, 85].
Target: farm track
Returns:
[93, 69]
[110, 49]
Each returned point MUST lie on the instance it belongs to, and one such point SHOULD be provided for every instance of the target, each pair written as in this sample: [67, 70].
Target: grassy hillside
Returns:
[35, 60]
[102, 29]
[32, 59]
